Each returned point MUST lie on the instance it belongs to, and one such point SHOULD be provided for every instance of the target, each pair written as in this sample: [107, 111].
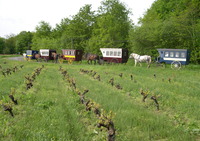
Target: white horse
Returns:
[24, 55]
[139, 59]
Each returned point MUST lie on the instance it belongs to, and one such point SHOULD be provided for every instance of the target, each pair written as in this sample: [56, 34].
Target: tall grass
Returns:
[51, 110]
[130, 110]
[48, 111]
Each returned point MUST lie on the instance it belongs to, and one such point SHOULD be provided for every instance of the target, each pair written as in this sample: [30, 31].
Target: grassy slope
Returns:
[139, 121]
[50, 111]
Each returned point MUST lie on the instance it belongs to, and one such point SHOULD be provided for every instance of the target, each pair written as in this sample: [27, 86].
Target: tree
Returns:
[60, 28]
[43, 36]
[169, 24]
[43, 30]
[111, 27]
[10, 45]
[2, 44]
[23, 41]
[78, 30]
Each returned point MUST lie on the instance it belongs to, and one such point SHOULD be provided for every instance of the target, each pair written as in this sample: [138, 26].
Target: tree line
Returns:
[166, 24]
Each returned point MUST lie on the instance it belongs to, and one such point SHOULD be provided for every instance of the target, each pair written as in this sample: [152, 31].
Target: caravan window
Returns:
[45, 53]
[171, 54]
[107, 53]
[28, 52]
[124, 53]
[119, 53]
[70, 52]
[115, 53]
[111, 53]
[182, 54]
[167, 54]
[177, 54]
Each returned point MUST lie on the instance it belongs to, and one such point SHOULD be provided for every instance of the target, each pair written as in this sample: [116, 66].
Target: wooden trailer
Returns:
[115, 55]
[46, 54]
[72, 55]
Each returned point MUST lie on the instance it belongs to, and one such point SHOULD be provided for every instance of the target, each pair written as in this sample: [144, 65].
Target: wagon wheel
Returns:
[70, 61]
[176, 65]
[60, 60]
[80, 62]
[45, 60]
[114, 61]
[101, 62]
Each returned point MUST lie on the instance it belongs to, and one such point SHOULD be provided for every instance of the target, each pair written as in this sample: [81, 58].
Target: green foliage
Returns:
[86, 30]
[166, 24]
[79, 29]
[43, 30]
[111, 27]
[169, 24]
[23, 41]
[45, 43]
[10, 45]
[2, 45]
[42, 37]
[50, 110]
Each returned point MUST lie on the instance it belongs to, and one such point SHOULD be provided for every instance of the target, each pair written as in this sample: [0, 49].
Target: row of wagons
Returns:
[111, 55]
[175, 57]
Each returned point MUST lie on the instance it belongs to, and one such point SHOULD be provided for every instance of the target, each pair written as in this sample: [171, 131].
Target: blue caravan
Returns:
[175, 57]
[31, 54]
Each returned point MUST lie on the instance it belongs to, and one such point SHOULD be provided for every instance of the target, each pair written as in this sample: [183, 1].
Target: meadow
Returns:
[143, 104]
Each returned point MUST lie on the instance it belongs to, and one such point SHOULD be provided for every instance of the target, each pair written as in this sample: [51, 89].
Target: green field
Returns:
[51, 109]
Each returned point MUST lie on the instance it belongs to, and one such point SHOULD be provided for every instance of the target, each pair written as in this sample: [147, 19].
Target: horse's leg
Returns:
[148, 64]
[89, 61]
[135, 63]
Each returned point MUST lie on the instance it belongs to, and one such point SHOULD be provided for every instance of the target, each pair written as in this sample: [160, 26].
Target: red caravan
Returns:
[73, 54]
[115, 55]
[46, 54]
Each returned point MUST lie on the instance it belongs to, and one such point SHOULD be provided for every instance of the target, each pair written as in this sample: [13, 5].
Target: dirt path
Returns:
[21, 58]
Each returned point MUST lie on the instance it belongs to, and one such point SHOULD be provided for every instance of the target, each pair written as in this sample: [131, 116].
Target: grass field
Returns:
[51, 108]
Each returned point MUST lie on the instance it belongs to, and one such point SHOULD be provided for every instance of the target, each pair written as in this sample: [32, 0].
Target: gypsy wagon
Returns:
[72, 55]
[30, 54]
[175, 57]
[46, 54]
[115, 55]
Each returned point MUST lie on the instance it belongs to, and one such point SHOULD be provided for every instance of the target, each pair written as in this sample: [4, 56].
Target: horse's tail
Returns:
[149, 59]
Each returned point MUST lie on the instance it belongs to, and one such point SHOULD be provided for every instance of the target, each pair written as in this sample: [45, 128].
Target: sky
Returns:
[25, 15]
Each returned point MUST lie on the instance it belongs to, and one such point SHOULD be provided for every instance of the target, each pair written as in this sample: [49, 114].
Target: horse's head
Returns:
[133, 55]
[37, 56]
[85, 55]
[53, 54]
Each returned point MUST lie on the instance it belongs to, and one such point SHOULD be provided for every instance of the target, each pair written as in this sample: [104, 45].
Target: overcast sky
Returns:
[25, 15]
